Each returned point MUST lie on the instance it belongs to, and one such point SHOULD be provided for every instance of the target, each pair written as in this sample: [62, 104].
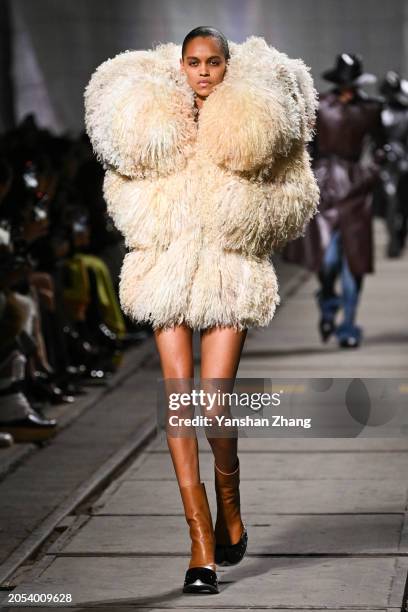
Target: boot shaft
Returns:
[198, 516]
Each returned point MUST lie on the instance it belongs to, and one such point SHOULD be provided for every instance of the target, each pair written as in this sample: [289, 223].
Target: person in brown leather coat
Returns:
[339, 238]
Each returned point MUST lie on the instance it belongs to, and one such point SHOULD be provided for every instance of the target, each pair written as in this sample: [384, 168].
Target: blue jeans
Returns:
[335, 263]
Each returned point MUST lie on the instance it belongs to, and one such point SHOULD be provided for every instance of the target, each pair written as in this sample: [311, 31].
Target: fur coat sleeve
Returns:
[252, 130]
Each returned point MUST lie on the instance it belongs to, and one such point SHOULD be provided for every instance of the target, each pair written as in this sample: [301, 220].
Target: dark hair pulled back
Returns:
[207, 31]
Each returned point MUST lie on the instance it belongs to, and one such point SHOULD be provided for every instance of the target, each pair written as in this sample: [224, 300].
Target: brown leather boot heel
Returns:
[200, 576]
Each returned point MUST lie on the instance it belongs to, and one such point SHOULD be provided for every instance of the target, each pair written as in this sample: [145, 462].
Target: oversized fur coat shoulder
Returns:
[236, 184]
[139, 110]
[253, 127]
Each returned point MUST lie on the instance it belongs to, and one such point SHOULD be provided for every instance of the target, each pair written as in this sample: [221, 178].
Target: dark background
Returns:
[49, 48]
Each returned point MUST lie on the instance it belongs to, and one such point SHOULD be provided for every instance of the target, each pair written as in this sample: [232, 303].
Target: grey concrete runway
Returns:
[326, 517]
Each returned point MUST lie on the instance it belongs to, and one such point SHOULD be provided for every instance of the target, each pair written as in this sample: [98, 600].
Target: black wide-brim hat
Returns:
[349, 71]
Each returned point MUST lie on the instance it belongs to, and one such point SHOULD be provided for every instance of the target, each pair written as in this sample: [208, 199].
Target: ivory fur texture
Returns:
[203, 204]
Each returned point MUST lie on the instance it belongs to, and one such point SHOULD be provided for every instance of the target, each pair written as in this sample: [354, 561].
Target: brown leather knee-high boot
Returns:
[230, 532]
[200, 576]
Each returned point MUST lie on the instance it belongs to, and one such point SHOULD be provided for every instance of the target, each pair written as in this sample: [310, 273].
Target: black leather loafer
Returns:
[232, 553]
[200, 580]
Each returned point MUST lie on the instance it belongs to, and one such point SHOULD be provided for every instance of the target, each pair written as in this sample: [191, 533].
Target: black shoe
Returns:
[349, 336]
[80, 350]
[31, 428]
[329, 304]
[350, 342]
[40, 387]
[232, 554]
[6, 440]
[95, 376]
[326, 328]
[200, 580]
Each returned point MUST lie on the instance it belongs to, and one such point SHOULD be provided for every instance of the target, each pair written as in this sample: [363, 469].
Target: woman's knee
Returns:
[175, 351]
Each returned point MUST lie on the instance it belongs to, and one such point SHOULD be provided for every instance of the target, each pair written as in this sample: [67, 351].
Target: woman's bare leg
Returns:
[176, 357]
[221, 349]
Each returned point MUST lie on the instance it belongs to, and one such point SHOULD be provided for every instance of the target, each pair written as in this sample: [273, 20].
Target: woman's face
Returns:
[204, 64]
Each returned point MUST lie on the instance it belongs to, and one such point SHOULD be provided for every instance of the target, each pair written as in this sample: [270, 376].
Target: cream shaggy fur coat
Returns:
[202, 204]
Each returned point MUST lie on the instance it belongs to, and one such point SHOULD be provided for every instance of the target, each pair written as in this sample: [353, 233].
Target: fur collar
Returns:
[139, 110]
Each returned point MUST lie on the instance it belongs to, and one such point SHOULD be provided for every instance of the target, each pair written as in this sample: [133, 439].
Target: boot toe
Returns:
[200, 580]
[232, 553]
